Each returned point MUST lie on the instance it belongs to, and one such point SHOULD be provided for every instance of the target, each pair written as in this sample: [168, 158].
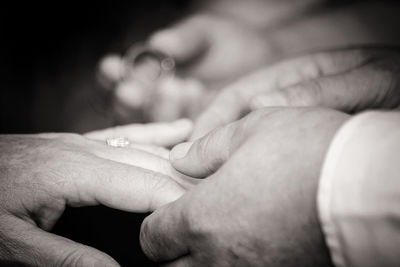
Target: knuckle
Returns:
[313, 66]
[339, 61]
[305, 94]
[75, 258]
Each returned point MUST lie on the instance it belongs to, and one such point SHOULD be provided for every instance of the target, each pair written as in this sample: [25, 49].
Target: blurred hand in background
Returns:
[219, 42]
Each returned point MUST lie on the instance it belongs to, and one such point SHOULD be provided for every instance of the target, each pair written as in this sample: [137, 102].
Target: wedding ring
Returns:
[117, 142]
[156, 64]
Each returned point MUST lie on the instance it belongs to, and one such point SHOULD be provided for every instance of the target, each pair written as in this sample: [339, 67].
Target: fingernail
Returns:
[180, 151]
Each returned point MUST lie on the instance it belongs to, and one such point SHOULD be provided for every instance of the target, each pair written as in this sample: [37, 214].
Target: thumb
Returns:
[349, 92]
[31, 246]
[183, 41]
[205, 155]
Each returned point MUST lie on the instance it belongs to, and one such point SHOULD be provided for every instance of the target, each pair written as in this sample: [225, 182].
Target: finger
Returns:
[234, 101]
[205, 155]
[144, 160]
[228, 106]
[149, 148]
[28, 245]
[186, 261]
[130, 94]
[161, 134]
[111, 68]
[117, 185]
[183, 41]
[350, 92]
[162, 235]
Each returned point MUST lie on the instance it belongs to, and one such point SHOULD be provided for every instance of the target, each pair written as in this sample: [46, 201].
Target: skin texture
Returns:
[41, 174]
[258, 205]
[350, 80]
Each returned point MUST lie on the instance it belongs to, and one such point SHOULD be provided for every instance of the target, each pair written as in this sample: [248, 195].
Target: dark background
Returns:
[48, 61]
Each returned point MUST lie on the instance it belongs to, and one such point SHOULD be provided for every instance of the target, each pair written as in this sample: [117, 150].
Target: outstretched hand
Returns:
[42, 174]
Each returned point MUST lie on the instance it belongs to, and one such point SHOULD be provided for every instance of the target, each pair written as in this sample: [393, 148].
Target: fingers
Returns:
[350, 92]
[183, 41]
[205, 155]
[145, 160]
[236, 100]
[161, 134]
[162, 235]
[232, 102]
[227, 107]
[118, 186]
[31, 246]
[111, 68]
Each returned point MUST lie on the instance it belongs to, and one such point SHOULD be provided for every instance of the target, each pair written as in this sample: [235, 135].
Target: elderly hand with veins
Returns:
[350, 80]
[41, 174]
[257, 206]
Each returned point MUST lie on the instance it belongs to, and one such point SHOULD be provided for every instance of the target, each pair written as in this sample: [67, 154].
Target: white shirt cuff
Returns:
[359, 192]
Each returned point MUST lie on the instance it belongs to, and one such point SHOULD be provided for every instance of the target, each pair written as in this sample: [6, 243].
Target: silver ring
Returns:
[137, 52]
[117, 142]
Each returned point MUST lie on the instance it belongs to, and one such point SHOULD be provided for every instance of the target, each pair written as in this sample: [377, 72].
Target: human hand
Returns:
[350, 80]
[42, 174]
[214, 48]
[210, 50]
[258, 206]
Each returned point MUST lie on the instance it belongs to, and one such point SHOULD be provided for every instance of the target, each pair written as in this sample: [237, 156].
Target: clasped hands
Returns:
[257, 206]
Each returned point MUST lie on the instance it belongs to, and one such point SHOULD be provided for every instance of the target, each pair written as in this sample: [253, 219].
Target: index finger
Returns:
[161, 134]
[232, 102]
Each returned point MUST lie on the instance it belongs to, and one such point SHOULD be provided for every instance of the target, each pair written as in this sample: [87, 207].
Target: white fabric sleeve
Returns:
[359, 192]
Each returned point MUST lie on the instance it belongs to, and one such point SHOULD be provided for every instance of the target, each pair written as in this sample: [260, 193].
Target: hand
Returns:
[350, 80]
[211, 49]
[258, 206]
[42, 174]
[214, 48]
